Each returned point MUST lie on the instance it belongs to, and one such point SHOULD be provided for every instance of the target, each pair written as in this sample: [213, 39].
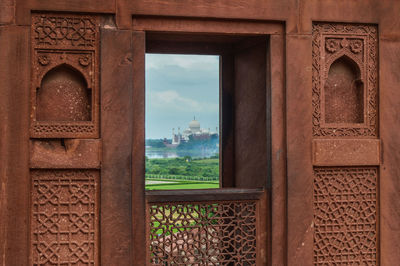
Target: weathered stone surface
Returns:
[344, 152]
[65, 153]
[14, 145]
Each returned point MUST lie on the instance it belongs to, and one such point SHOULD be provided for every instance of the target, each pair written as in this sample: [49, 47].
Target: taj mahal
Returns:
[193, 132]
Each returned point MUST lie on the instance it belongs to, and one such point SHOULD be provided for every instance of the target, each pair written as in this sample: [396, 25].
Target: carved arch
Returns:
[63, 95]
[344, 92]
[351, 59]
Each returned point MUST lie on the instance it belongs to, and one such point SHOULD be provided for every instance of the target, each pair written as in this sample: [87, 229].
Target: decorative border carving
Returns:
[69, 31]
[360, 43]
[345, 216]
[64, 39]
[64, 217]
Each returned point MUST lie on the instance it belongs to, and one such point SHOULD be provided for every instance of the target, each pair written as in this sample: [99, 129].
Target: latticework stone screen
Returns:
[345, 216]
[64, 217]
[206, 233]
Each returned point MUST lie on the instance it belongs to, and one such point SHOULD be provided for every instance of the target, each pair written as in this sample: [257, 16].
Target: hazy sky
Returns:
[179, 87]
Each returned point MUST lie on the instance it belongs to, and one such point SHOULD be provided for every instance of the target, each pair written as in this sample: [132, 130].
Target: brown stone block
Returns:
[14, 171]
[359, 11]
[116, 101]
[278, 151]
[68, 153]
[6, 13]
[346, 152]
[299, 165]
[209, 26]
[25, 7]
[250, 9]
[389, 184]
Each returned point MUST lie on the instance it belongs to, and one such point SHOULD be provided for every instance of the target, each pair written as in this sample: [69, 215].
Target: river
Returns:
[174, 153]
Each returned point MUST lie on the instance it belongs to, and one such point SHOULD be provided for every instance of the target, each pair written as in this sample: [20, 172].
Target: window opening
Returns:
[182, 121]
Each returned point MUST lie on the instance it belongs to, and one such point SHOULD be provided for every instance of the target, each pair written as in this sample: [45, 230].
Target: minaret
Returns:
[174, 137]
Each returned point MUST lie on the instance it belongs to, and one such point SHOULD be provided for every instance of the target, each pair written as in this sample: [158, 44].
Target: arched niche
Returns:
[63, 96]
[344, 92]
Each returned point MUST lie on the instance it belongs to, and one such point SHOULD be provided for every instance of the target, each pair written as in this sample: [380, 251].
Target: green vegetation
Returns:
[166, 228]
[182, 185]
[183, 166]
[182, 173]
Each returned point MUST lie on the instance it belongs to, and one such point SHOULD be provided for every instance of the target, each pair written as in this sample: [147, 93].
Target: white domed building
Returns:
[194, 126]
[193, 131]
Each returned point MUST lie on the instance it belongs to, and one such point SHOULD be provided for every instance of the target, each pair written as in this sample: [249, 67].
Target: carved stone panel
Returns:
[345, 216]
[65, 76]
[345, 80]
[211, 233]
[64, 218]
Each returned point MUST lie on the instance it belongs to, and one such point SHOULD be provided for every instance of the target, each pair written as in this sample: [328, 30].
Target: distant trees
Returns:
[194, 144]
[155, 143]
[183, 166]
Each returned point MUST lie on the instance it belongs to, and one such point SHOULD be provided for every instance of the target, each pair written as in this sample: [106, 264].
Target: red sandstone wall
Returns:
[304, 170]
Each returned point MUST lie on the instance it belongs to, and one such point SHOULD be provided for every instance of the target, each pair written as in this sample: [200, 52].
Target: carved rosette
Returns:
[72, 42]
[359, 43]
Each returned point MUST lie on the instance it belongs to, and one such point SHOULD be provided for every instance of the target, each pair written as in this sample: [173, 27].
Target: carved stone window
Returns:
[345, 80]
[243, 100]
[65, 79]
[244, 123]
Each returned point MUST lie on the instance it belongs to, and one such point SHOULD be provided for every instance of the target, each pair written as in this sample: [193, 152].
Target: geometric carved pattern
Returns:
[345, 216]
[359, 43]
[64, 219]
[210, 233]
[64, 30]
[65, 41]
[51, 129]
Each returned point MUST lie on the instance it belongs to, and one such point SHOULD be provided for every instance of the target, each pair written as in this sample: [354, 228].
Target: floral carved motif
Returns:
[43, 60]
[84, 60]
[64, 221]
[359, 43]
[345, 216]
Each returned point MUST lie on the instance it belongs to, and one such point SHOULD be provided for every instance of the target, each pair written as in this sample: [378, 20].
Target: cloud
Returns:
[179, 87]
[171, 100]
[198, 63]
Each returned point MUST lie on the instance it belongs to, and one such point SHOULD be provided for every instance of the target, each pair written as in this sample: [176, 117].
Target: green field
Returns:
[182, 173]
[181, 185]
